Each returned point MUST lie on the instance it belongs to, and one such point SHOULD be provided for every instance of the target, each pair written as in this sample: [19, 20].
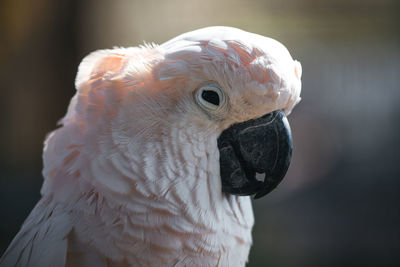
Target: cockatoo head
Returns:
[217, 92]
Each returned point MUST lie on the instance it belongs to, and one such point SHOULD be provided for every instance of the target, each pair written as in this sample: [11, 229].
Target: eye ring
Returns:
[212, 99]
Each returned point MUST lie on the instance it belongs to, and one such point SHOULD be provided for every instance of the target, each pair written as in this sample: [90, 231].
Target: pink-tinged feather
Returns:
[132, 176]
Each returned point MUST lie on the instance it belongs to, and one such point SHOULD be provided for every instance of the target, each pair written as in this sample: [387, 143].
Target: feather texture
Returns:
[132, 176]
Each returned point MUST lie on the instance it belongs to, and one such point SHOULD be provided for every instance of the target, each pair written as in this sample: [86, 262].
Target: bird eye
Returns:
[211, 98]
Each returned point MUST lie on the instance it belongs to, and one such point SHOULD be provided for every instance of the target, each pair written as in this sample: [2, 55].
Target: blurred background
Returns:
[338, 205]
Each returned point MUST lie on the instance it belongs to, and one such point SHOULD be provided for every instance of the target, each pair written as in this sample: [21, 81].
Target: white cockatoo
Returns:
[158, 153]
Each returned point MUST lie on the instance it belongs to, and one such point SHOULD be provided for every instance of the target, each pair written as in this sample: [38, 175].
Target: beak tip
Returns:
[264, 191]
[259, 195]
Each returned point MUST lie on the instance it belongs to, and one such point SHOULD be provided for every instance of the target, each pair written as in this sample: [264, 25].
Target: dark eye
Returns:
[211, 97]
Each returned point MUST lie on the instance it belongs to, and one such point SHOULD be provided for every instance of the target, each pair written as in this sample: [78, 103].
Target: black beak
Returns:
[262, 145]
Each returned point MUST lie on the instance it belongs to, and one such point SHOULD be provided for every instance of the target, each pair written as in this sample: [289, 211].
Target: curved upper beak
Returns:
[262, 145]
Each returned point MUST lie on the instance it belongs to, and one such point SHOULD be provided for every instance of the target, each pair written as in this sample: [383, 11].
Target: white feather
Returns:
[132, 176]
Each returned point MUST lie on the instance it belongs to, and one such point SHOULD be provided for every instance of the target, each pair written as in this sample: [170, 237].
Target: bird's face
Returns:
[240, 85]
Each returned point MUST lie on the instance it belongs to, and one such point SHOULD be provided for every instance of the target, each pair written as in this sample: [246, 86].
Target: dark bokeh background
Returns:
[339, 204]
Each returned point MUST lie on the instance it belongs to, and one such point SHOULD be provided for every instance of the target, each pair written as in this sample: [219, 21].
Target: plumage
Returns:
[132, 176]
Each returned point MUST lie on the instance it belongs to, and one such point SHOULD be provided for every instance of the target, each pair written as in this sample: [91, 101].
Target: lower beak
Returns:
[263, 146]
